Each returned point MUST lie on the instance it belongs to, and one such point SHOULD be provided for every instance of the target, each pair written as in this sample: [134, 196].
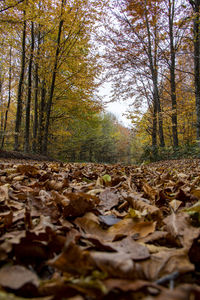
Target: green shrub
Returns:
[184, 151]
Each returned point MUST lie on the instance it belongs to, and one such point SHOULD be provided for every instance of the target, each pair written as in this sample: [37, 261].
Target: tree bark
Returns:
[154, 128]
[172, 75]
[9, 100]
[35, 123]
[156, 96]
[1, 103]
[20, 86]
[28, 102]
[160, 123]
[49, 102]
[41, 117]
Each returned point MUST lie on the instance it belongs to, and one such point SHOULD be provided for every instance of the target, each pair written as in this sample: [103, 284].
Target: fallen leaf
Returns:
[128, 285]
[73, 259]
[166, 262]
[183, 292]
[175, 204]
[142, 206]
[15, 277]
[4, 190]
[79, 204]
[9, 296]
[149, 191]
[114, 264]
[178, 225]
[129, 227]
[135, 250]
[108, 199]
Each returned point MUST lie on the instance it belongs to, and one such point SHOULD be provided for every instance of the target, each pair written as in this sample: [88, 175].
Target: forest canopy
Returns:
[53, 54]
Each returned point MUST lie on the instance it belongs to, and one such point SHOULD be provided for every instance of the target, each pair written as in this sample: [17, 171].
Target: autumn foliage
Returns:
[151, 50]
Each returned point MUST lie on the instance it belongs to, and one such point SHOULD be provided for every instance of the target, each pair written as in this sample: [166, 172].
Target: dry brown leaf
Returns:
[15, 277]
[149, 191]
[175, 204]
[28, 170]
[142, 206]
[154, 237]
[155, 249]
[73, 259]
[195, 192]
[135, 250]
[129, 227]
[4, 189]
[115, 264]
[108, 199]
[129, 285]
[89, 224]
[79, 204]
[183, 292]
[56, 185]
[178, 225]
[166, 262]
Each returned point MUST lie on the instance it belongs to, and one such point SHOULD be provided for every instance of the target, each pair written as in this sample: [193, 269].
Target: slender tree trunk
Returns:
[196, 31]
[28, 102]
[1, 104]
[156, 96]
[154, 127]
[160, 123]
[9, 100]
[2, 121]
[41, 117]
[49, 102]
[20, 87]
[35, 123]
[172, 75]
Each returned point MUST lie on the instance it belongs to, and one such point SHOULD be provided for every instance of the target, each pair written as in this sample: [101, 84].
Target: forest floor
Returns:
[93, 231]
[23, 156]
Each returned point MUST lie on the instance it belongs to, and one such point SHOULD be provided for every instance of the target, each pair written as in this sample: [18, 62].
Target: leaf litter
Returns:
[94, 231]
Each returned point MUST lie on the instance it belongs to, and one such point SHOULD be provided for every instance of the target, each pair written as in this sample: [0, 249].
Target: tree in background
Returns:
[18, 119]
[56, 67]
[97, 138]
[148, 52]
[132, 54]
[196, 39]
[48, 82]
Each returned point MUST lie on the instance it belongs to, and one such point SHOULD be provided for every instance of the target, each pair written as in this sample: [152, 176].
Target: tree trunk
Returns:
[156, 97]
[41, 118]
[154, 128]
[160, 123]
[1, 104]
[35, 123]
[196, 32]
[172, 75]
[9, 100]
[20, 86]
[49, 102]
[28, 102]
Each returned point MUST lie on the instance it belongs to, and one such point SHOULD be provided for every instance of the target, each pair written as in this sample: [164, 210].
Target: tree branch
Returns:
[11, 6]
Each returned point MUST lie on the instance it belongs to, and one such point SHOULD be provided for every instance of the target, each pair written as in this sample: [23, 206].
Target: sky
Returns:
[118, 108]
